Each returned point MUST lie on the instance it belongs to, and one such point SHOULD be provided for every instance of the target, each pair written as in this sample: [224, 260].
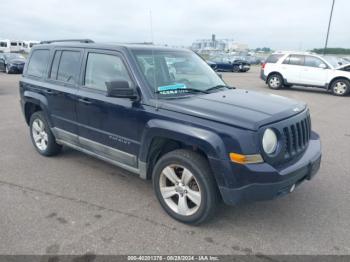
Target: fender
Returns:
[37, 99]
[206, 140]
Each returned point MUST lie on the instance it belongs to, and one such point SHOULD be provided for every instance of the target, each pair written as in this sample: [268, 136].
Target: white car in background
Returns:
[284, 69]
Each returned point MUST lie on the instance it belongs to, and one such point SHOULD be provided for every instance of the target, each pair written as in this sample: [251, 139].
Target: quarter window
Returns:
[273, 58]
[102, 68]
[313, 61]
[38, 62]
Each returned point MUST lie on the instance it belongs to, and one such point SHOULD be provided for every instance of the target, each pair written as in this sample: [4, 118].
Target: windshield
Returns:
[176, 72]
[333, 61]
[13, 56]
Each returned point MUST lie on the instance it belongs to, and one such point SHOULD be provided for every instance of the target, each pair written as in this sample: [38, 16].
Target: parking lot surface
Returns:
[75, 204]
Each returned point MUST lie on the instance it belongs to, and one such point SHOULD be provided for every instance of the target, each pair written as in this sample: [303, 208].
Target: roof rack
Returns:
[67, 40]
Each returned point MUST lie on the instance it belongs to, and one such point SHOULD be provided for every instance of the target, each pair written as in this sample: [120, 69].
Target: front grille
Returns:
[296, 137]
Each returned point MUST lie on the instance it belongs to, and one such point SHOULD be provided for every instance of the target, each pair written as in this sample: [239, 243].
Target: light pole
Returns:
[329, 26]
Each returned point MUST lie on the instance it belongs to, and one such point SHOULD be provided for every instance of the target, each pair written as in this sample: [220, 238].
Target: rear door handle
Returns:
[84, 100]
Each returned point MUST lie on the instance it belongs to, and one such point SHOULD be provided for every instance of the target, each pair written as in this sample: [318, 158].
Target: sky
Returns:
[279, 24]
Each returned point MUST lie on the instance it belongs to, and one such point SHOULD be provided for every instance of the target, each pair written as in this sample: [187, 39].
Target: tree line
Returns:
[333, 51]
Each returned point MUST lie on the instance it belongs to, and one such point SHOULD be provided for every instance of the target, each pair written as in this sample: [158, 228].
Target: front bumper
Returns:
[272, 182]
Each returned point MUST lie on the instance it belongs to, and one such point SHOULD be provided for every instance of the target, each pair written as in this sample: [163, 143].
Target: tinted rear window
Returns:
[273, 58]
[294, 60]
[38, 62]
[69, 67]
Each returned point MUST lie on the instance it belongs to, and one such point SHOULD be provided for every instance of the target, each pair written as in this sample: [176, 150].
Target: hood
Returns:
[237, 107]
[16, 61]
[343, 66]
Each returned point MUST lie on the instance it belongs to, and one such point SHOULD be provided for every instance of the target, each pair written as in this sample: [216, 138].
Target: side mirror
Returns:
[121, 89]
[323, 66]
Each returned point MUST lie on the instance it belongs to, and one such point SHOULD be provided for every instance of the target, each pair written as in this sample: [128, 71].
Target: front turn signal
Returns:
[246, 159]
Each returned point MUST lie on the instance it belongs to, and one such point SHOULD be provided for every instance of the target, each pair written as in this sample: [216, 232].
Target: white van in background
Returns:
[5, 45]
[27, 45]
[13, 46]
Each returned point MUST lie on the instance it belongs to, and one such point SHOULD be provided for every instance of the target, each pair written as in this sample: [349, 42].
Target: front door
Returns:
[315, 72]
[107, 125]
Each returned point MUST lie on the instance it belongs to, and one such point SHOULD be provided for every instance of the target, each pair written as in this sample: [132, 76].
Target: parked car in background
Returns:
[225, 65]
[284, 69]
[12, 62]
[196, 138]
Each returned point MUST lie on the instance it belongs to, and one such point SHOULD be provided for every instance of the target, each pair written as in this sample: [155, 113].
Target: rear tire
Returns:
[41, 135]
[185, 186]
[340, 87]
[235, 69]
[275, 81]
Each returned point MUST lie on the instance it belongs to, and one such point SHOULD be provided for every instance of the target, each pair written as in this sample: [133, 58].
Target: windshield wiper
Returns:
[219, 87]
[183, 89]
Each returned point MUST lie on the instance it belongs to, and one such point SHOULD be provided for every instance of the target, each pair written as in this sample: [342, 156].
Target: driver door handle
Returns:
[85, 100]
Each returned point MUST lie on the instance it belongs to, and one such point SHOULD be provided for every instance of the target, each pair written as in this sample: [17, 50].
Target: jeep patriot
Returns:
[165, 115]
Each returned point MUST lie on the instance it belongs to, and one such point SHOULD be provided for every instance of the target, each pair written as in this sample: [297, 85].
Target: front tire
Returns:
[275, 81]
[41, 135]
[340, 87]
[185, 187]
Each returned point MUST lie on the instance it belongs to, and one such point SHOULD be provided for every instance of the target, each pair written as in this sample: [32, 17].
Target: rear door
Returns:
[61, 90]
[107, 125]
[315, 72]
[291, 68]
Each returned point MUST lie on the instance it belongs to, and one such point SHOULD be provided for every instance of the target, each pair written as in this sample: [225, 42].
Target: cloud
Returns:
[280, 24]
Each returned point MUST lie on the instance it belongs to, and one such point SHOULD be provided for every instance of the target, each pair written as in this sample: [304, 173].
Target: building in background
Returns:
[215, 45]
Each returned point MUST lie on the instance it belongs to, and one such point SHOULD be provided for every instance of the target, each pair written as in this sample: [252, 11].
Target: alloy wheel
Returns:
[40, 136]
[274, 82]
[180, 190]
[340, 88]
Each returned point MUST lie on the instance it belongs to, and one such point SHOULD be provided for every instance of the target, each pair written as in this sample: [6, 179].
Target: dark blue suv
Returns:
[165, 115]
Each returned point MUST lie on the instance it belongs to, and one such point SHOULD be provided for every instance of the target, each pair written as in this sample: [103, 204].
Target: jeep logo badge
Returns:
[296, 109]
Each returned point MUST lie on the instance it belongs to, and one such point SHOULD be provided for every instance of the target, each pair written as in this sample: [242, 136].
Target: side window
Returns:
[273, 58]
[102, 68]
[38, 62]
[313, 61]
[294, 60]
[54, 68]
[69, 67]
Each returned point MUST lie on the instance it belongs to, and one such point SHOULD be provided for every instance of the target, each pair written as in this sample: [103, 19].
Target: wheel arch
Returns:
[335, 79]
[273, 73]
[34, 102]
[161, 137]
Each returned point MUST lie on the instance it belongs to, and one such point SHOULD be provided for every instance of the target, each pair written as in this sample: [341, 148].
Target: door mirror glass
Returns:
[120, 88]
[323, 66]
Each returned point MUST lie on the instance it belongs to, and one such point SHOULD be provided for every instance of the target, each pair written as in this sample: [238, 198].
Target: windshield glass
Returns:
[176, 72]
[333, 61]
[13, 56]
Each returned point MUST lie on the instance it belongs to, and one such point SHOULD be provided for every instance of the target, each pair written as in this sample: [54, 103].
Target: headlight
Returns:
[269, 141]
